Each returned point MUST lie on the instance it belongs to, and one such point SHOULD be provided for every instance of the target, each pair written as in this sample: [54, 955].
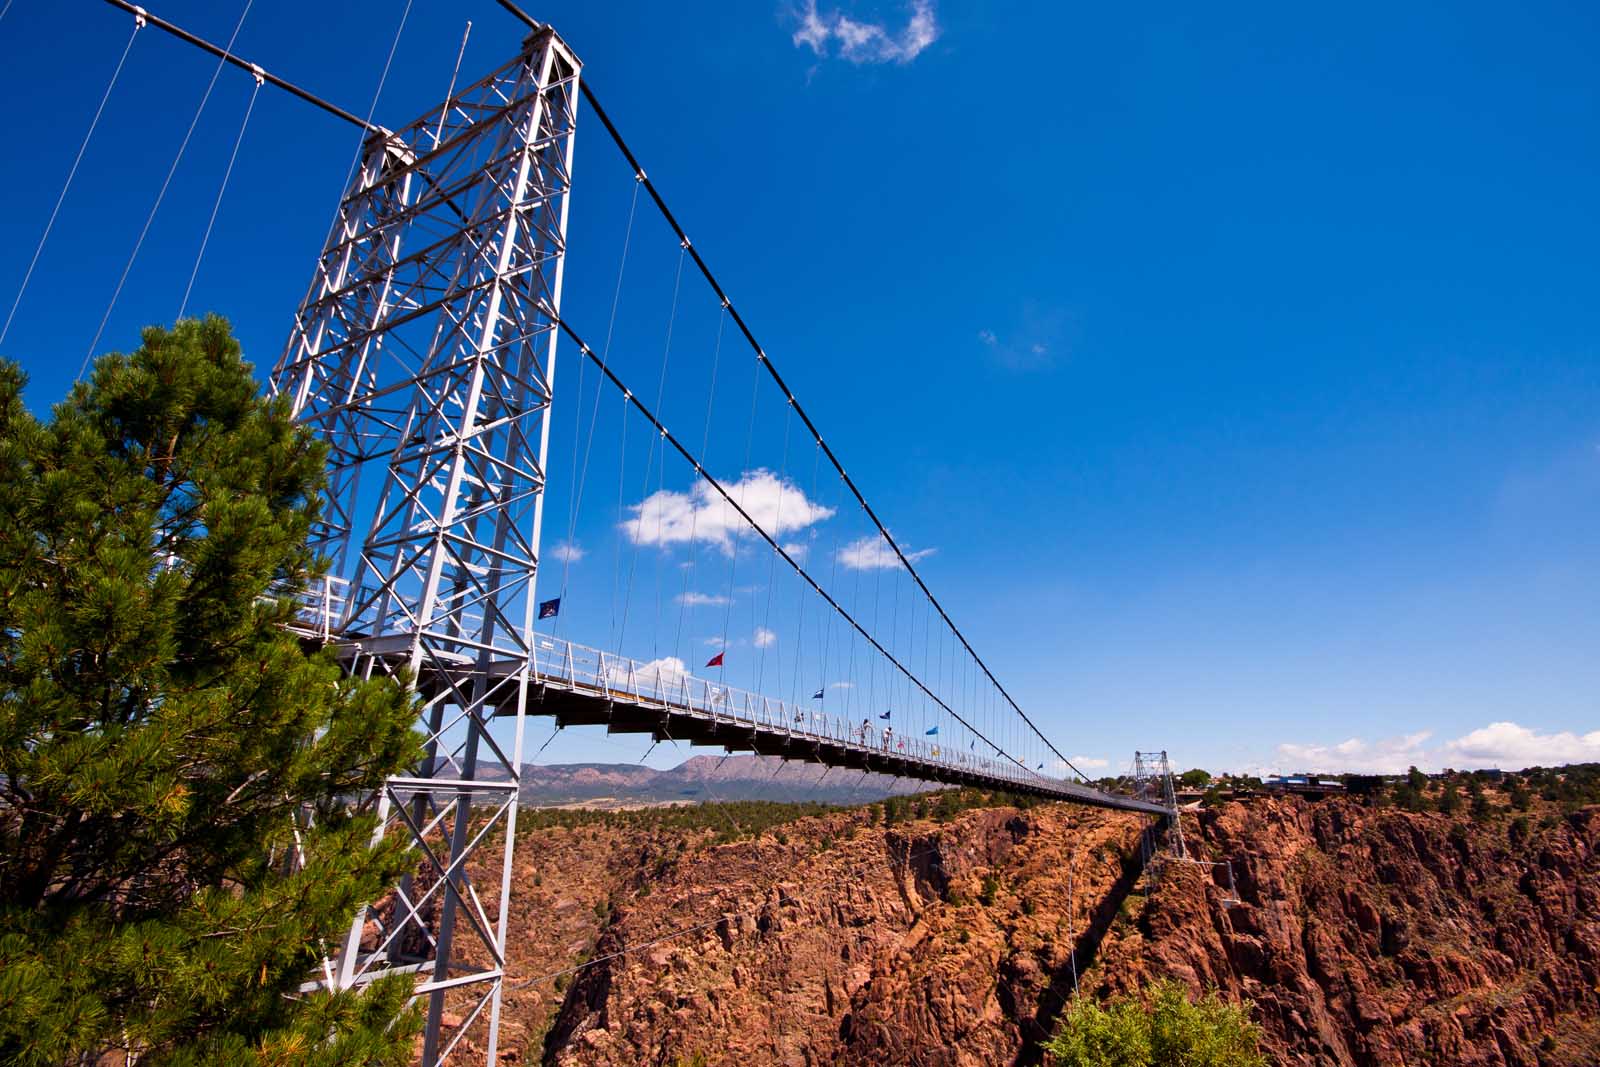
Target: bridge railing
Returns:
[566, 664]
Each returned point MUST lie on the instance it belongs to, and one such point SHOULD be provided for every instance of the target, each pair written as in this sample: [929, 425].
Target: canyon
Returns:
[955, 938]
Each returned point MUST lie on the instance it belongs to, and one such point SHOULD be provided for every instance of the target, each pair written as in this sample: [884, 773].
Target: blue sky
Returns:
[1237, 369]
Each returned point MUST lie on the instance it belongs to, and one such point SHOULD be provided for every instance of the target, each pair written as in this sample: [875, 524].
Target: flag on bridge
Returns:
[1040, 767]
[886, 714]
[973, 745]
[715, 661]
[932, 731]
[818, 694]
[549, 609]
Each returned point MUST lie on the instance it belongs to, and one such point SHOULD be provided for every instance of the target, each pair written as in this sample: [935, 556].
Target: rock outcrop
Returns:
[1380, 937]
[921, 943]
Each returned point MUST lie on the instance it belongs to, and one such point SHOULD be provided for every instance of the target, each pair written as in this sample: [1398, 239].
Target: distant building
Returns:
[1304, 784]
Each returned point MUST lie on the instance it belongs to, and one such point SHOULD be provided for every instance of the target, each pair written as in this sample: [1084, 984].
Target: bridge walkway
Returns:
[582, 686]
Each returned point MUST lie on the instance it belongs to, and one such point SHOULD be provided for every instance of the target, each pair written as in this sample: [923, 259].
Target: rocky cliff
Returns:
[1384, 937]
[1363, 936]
[920, 943]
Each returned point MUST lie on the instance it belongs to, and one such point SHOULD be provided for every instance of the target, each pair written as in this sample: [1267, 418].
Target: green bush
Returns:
[990, 890]
[732, 820]
[1162, 1028]
[1407, 797]
[1449, 799]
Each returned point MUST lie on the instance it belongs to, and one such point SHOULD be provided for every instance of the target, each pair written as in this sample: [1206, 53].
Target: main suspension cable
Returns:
[761, 356]
[227, 56]
[630, 398]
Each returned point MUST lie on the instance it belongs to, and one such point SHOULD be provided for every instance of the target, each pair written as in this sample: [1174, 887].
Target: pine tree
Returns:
[161, 731]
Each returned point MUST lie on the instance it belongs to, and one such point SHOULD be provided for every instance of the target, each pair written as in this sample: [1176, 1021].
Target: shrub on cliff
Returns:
[1160, 1028]
[162, 735]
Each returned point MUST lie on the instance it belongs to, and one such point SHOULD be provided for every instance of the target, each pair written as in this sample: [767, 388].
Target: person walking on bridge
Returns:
[888, 735]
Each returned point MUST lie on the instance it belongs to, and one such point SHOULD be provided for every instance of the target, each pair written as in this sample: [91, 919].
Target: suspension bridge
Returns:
[423, 355]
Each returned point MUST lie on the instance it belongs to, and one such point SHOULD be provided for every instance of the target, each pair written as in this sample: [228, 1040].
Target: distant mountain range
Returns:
[702, 778]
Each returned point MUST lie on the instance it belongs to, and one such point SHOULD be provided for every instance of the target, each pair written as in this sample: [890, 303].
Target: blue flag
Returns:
[549, 609]
[973, 745]
[818, 694]
[1040, 767]
[885, 715]
[933, 731]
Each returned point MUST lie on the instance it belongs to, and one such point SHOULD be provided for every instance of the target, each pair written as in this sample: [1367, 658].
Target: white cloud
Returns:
[1512, 747]
[841, 685]
[567, 552]
[866, 42]
[1506, 745]
[1090, 761]
[764, 638]
[663, 671]
[776, 504]
[1032, 340]
[797, 550]
[873, 553]
[696, 600]
[813, 32]
[1389, 755]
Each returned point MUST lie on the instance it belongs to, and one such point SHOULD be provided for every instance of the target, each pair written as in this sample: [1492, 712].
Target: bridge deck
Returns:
[582, 686]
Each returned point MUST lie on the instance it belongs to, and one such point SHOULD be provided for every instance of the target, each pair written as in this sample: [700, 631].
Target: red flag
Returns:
[715, 661]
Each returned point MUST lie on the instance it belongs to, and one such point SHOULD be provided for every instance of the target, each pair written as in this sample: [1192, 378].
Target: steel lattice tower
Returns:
[423, 356]
[1152, 781]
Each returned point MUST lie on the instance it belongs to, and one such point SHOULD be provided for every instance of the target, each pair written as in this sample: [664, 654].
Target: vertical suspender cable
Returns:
[161, 194]
[367, 129]
[694, 513]
[588, 94]
[764, 634]
[138, 24]
[575, 501]
[733, 547]
[622, 523]
[800, 625]
[727, 497]
[444, 112]
[221, 189]
[826, 621]
[649, 466]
